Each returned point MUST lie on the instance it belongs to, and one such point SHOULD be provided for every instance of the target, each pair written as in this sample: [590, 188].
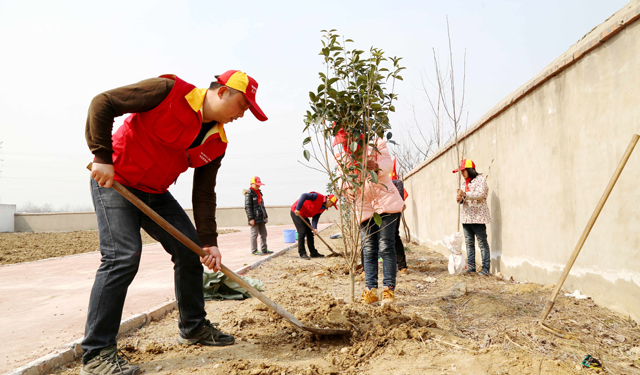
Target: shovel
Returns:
[230, 274]
[323, 241]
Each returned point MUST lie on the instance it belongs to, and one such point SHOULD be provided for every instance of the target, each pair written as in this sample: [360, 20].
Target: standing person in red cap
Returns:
[257, 216]
[310, 205]
[475, 216]
[173, 126]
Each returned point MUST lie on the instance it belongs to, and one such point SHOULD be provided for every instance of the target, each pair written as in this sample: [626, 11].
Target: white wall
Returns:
[7, 212]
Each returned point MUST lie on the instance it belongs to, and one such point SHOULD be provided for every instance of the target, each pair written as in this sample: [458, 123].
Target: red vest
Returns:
[150, 150]
[310, 208]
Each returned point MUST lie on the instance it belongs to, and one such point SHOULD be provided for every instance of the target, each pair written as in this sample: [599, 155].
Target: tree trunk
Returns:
[459, 216]
[352, 284]
[407, 232]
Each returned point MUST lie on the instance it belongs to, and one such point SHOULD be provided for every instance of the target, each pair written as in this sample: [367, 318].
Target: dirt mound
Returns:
[490, 329]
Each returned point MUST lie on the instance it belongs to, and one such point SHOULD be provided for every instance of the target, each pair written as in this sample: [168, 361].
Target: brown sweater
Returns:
[141, 97]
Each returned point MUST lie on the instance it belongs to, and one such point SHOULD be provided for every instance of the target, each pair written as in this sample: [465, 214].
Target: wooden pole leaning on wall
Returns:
[583, 238]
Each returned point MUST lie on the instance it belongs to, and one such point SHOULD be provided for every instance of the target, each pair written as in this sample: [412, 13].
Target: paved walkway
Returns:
[43, 304]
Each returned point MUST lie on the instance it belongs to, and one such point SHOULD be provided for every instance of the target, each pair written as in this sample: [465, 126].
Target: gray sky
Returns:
[55, 56]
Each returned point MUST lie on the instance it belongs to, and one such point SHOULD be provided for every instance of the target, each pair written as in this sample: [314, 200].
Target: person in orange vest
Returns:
[173, 126]
[310, 205]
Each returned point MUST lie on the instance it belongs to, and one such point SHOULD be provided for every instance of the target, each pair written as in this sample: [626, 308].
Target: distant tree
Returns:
[445, 103]
[30, 207]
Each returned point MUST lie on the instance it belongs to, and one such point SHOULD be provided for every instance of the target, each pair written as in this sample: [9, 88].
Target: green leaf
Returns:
[389, 135]
[354, 146]
[377, 219]
[306, 140]
[374, 176]
[307, 154]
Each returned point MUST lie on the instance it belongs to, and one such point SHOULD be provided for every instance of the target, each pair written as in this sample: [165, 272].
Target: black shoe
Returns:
[483, 273]
[256, 253]
[469, 272]
[267, 252]
[317, 255]
[305, 256]
[208, 335]
[109, 362]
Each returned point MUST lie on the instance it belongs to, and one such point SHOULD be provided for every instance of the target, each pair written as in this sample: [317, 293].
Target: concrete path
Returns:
[43, 304]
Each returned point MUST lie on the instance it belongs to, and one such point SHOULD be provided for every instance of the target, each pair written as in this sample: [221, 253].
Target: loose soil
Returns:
[27, 247]
[490, 329]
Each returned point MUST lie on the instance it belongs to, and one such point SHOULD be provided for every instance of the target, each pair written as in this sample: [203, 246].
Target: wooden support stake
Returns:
[583, 238]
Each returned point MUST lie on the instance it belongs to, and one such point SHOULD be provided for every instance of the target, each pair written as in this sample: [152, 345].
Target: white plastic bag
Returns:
[576, 295]
[457, 261]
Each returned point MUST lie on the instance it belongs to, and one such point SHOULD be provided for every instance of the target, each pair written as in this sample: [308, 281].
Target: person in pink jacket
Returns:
[384, 199]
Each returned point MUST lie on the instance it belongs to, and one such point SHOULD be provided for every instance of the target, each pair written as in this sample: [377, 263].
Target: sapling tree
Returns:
[349, 113]
[445, 98]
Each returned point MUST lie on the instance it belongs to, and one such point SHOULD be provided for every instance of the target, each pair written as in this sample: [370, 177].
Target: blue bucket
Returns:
[289, 235]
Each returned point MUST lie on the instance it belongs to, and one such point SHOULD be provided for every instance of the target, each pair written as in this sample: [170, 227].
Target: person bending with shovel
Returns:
[310, 205]
[173, 126]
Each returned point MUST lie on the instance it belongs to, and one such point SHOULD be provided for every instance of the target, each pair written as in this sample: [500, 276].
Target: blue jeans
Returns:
[119, 223]
[379, 241]
[471, 231]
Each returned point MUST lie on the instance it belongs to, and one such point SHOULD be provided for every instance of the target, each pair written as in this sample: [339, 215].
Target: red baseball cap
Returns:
[256, 180]
[333, 199]
[248, 86]
[464, 164]
[341, 136]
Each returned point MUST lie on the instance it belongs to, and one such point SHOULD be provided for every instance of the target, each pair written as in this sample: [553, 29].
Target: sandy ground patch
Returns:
[27, 247]
[490, 329]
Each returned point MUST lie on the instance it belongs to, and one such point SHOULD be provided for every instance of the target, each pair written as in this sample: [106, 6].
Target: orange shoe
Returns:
[404, 271]
[369, 296]
[387, 296]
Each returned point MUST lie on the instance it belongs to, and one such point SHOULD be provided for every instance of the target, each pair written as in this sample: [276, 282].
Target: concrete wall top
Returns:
[72, 221]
